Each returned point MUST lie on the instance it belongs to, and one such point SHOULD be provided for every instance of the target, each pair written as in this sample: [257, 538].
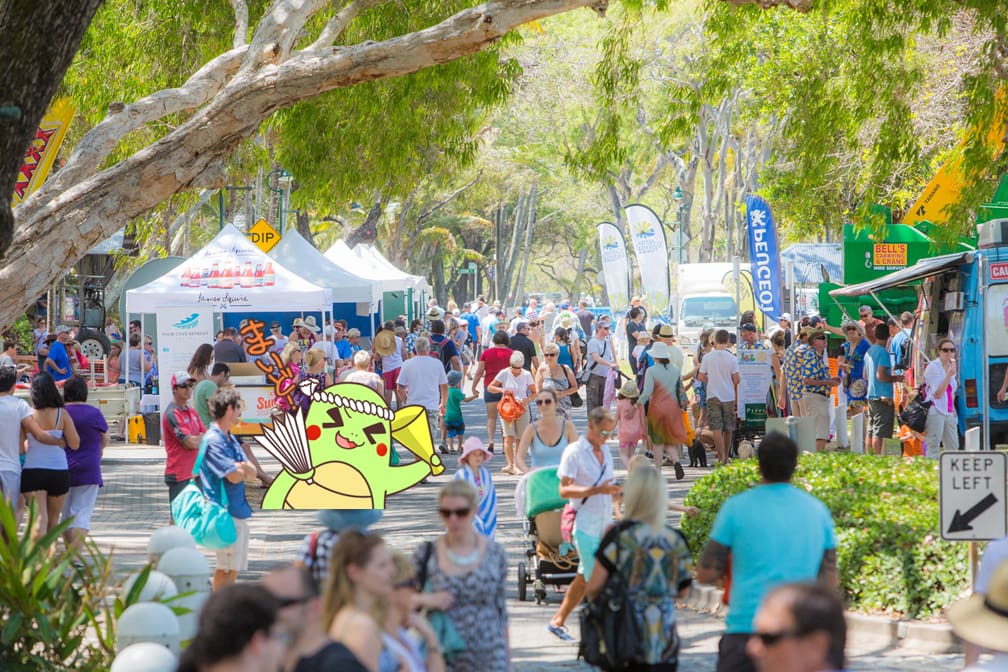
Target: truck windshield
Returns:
[997, 321]
[709, 308]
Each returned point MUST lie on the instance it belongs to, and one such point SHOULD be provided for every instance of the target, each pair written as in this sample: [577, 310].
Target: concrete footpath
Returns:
[134, 503]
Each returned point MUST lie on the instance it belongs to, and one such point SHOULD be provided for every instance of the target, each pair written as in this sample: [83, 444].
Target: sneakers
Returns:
[648, 454]
[443, 449]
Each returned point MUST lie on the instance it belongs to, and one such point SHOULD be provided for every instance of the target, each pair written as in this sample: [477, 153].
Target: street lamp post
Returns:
[683, 200]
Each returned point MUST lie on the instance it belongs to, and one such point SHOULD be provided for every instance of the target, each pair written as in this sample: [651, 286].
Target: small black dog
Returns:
[698, 454]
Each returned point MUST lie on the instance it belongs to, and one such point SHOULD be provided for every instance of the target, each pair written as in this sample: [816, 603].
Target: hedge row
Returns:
[891, 557]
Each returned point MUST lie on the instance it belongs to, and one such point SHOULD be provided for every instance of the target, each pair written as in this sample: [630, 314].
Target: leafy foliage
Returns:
[52, 604]
[890, 555]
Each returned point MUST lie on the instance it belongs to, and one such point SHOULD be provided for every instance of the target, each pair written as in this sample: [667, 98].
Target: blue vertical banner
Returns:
[764, 256]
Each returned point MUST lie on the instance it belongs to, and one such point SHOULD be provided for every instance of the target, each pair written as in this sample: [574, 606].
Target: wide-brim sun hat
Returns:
[983, 619]
[660, 351]
[309, 323]
[384, 343]
[472, 445]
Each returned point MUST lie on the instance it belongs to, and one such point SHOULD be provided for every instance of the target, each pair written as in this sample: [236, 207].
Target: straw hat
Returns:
[566, 321]
[629, 390]
[983, 619]
[309, 323]
[384, 343]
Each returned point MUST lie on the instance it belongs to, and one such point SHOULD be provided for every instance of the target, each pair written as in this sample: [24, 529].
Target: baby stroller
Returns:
[543, 542]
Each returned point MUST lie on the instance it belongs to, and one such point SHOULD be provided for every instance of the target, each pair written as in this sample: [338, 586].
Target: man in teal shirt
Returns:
[881, 401]
[773, 533]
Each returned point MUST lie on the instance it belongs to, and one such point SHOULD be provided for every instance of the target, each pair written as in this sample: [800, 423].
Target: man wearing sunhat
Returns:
[982, 620]
[817, 384]
[57, 362]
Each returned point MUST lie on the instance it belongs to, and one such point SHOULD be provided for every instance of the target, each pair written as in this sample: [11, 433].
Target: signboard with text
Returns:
[972, 495]
[755, 375]
[179, 332]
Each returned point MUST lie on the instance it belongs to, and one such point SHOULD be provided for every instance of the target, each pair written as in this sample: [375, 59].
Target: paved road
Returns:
[133, 504]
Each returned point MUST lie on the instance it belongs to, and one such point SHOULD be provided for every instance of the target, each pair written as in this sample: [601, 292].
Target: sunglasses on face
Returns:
[552, 354]
[605, 432]
[772, 638]
[542, 402]
[458, 513]
[407, 583]
[948, 349]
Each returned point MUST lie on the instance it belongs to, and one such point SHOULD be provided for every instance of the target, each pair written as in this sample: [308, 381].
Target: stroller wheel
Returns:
[522, 582]
[540, 595]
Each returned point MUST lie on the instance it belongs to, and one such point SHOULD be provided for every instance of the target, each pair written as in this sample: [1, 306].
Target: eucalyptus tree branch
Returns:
[241, 22]
[278, 30]
[338, 24]
[427, 212]
[797, 5]
[122, 120]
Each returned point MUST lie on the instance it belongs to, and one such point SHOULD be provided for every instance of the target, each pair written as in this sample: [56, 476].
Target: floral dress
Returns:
[478, 611]
[656, 567]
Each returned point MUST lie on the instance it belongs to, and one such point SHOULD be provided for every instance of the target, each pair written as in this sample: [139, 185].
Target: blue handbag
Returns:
[210, 524]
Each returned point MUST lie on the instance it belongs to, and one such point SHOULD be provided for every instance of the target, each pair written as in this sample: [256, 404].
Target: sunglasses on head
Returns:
[771, 638]
[458, 513]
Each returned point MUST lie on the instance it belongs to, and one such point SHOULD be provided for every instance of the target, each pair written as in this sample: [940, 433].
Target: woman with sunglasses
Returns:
[543, 442]
[470, 569]
[410, 641]
[940, 382]
[519, 382]
[552, 375]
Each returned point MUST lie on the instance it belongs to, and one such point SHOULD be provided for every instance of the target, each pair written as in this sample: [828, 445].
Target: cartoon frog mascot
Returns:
[337, 455]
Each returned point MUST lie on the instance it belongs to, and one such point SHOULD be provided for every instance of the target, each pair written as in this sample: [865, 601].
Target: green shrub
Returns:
[891, 557]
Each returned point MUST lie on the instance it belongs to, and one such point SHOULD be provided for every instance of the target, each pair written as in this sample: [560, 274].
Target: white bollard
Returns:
[145, 657]
[190, 571]
[148, 622]
[973, 439]
[840, 422]
[158, 587]
[165, 539]
[857, 430]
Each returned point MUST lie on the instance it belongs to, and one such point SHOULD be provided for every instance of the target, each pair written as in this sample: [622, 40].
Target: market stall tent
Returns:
[355, 299]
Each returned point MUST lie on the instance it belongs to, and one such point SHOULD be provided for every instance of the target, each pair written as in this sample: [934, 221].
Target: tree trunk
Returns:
[38, 41]
[367, 232]
[527, 248]
[302, 222]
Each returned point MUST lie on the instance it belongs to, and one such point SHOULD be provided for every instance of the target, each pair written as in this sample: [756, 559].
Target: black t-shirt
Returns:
[631, 330]
[586, 317]
[228, 352]
[332, 656]
[524, 345]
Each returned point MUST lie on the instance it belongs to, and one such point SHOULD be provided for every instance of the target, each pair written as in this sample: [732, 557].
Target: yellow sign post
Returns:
[263, 235]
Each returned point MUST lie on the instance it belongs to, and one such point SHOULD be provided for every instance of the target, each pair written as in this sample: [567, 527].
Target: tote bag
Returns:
[208, 522]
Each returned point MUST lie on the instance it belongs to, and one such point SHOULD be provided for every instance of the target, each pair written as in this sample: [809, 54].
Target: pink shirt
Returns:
[630, 426]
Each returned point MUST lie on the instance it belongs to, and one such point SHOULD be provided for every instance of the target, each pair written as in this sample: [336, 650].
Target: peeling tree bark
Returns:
[270, 77]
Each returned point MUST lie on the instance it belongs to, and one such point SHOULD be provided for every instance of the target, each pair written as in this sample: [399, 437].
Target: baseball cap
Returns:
[749, 326]
[180, 378]
[274, 325]
[785, 316]
[62, 329]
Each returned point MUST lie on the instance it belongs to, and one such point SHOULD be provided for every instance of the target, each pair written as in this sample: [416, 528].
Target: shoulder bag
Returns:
[210, 524]
[587, 371]
[915, 414]
[450, 640]
[575, 398]
[611, 634]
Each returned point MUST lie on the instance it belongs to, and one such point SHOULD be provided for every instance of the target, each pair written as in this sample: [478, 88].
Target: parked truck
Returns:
[703, 301]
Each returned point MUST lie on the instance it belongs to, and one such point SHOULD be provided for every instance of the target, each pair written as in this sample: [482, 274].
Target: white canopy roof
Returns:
[366, 267]
[251, 286]
[293, 251]
[369, 251]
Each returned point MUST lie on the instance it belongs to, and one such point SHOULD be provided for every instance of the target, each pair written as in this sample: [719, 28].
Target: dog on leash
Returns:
[697, 454]
[745, 450]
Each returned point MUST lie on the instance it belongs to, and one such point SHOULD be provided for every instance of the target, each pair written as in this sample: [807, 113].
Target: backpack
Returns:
[437, 349]
[904, 356]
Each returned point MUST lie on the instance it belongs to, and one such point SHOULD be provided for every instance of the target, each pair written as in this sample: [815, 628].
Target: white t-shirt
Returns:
[328, 348]
[6, 360]
[719, 365]
[395, 360]
[578, 462]
[519, 385]
[422, 377]
[934, 374]
[12, 412]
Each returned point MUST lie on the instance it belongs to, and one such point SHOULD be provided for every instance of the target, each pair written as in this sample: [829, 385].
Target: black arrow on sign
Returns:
[962, 522]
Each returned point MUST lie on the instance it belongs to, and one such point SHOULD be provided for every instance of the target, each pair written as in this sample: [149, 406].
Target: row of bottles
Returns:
[212, 277]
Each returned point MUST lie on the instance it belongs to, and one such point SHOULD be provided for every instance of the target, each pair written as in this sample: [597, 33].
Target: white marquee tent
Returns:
[293, 251]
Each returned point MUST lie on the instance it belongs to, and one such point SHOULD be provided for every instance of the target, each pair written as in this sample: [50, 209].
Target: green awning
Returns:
[922, 269]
